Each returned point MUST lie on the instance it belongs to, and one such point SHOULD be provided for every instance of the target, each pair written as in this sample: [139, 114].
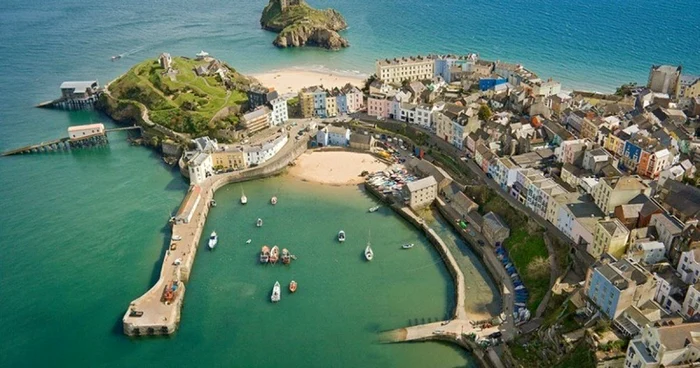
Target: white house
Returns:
[689, 266]
[279, 111]
[666, 346]
[85, 131]
[651, 252]
[691, 304]
[200, 167]
[333, 136]
[259, 153]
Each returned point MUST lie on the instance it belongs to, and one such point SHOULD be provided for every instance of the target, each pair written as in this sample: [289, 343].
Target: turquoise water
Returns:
[82, 232]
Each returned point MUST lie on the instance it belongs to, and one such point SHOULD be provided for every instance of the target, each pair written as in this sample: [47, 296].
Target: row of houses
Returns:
[209, 158]
[317, 101]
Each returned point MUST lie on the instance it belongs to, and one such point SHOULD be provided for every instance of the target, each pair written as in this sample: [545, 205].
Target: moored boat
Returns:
[274, 254]
[213, 239]
[259, 222]
[248, 241]
[244, 199]
[273, 200]
[286, 257]
[212, 203]
[265, 254]
[369, 254]
[374, 209]
[293, 286]
[341, 236]
[275, 297]
[407, 246]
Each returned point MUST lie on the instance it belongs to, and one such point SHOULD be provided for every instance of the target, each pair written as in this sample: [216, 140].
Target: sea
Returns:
[82, 233]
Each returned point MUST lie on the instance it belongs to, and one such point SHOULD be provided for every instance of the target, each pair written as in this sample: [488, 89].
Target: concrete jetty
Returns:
[153, 313]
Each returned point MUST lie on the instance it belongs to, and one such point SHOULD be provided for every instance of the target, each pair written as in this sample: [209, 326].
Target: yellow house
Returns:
[233, 158]
[331, 106]
[610, 237]
[306, 102]
[692, 90]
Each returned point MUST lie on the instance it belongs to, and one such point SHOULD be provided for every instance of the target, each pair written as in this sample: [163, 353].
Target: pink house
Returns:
[378, 105]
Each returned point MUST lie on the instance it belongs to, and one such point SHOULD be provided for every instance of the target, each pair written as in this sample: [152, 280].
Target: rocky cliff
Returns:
[298, 24]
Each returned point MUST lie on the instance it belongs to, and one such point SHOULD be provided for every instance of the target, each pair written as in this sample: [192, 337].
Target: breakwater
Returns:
[157, 312]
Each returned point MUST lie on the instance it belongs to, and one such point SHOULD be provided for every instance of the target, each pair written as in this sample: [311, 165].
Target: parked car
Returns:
[481, 242]
[496, 335]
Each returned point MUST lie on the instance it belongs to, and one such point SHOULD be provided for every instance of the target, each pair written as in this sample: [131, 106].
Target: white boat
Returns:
[374, 209]
[341, 236]
[275, 297]
[212, 203]
[244, 199]
[213, 239]
[273, 200]
[259, 222]
[176, 237]
[407, 246]
[368, 251]
[248, 241]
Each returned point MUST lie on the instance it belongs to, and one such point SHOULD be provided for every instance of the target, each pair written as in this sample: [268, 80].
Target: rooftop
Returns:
[421, 184]
[678, 337]
[79, 85]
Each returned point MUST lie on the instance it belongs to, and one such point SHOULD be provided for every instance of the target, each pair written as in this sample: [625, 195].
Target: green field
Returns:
[529, 255]
[183, 101]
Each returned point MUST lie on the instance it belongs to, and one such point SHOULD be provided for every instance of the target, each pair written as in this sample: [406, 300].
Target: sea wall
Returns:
[440, 246]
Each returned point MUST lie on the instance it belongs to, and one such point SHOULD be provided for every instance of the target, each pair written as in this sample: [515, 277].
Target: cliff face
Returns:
[301, 25]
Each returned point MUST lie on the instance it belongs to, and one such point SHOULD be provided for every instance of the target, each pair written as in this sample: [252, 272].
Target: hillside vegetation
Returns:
[181, 100]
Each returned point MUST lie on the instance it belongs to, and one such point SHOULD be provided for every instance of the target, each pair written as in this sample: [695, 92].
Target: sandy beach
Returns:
[335, 167]
[292, 80]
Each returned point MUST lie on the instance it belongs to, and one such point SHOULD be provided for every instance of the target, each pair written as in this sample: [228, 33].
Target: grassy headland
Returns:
[181, 100]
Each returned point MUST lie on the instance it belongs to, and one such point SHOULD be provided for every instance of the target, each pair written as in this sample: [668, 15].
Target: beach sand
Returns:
[292, 80]
[335, 167]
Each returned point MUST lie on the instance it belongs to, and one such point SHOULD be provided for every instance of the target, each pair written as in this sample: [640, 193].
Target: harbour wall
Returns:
[440, 246]
[169, 315]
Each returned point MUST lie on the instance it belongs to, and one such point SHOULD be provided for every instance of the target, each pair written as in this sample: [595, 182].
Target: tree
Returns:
[369, 81]
[485, 112]
[625, 89]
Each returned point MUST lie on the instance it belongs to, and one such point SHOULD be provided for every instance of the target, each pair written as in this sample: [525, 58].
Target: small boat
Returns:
[173, 246]
[175, 237]
[274, 254]
[116, 57]
[275, 297]
[259, 222]
[248, 241]
[265, 254]
[341, 236]
[374, 209]
[368, 253]
[212, 203]
[286, 257]
[213, 239]
[407, 246]
[244, 199]
[135, 313]
[293, 286]
[273, 200]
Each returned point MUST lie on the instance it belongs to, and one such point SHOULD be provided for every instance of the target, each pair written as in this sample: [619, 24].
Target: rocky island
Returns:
[298, 24]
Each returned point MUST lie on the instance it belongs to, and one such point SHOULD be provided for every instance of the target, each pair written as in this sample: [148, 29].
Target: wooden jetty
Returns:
[79, 136]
